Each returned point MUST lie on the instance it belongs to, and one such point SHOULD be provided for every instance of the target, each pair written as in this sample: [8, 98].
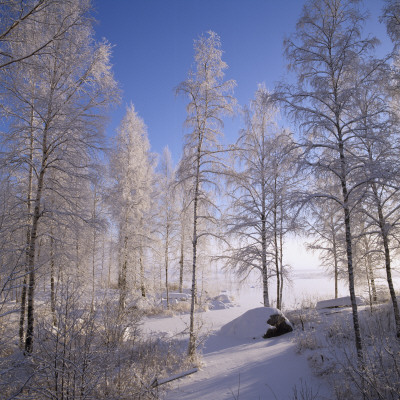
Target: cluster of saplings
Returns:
[115, 226]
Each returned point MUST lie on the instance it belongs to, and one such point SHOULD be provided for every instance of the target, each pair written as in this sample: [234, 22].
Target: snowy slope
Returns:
[257, 369]
[236, 366]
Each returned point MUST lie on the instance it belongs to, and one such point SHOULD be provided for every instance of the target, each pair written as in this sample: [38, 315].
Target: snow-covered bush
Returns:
[91, 352]
[379, 375]
[306, 340]
[328, 338]
[304, 391]
[305, 319]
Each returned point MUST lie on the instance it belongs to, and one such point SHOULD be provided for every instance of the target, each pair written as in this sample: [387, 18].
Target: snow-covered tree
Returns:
[184, 206]
[326, 228]
[64, 88]
[379, 150]
[260, 180]
[132, 174]
[325, 52]
[167, 212]
[20, 19]
[210, 98]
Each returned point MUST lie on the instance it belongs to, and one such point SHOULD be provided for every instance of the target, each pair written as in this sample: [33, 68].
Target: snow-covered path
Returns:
[262, 369]
[237, 368]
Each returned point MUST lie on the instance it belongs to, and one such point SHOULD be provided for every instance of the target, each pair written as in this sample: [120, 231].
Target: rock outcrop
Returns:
[279, 326]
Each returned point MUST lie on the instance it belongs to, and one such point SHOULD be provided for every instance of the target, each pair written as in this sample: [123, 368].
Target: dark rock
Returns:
[280, 325]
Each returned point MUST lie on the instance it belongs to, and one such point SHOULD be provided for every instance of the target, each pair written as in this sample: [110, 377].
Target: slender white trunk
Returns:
[122, 275]
[181, 260]
[276, 251]
[94, 249]
[52, 280]
[281, 252]
[335, 258]
[31, 261]
[142, 277]
[264, 230]
[28, 235]
[166, 262]
[385, 239]
[192, 335]
[349, 252]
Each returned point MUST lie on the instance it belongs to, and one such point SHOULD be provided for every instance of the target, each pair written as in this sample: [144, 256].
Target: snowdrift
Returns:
[251, 325]
[220, 302]
[338, 303]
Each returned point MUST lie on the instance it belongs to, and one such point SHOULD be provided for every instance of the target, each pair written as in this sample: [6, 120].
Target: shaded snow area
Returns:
[256, 369]
[236, 362]
[250, 325]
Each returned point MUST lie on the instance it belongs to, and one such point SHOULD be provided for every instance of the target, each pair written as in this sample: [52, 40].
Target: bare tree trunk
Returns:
[23, 297]
[52, 281]
[372, 280]
[122, 276]
[276, 251]
[31, 258]
[370, 272]
[94, 250]
[23, 306]
[264, 262]
[265, 288]
[77, 263]
[264, 235]
[192, 334]
[181, 261]
[142, 279]
[109, 264]
[166, 264]
[384, 228]
[390, 282]
[28, 236]
[349, 252]
[335, 258]
[103, 256]
[281, 252]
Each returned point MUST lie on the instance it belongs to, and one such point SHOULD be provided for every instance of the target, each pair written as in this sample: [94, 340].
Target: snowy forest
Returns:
[110, 253]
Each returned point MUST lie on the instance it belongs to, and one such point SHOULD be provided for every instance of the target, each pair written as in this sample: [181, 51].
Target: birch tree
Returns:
[282, 182]
[72, 82]
[185, 222]
[385, 202]
[259, 182]
[327, 228]
[379, 149]
[210, 98]
[325, 52]
[168, 212]
[18, 18]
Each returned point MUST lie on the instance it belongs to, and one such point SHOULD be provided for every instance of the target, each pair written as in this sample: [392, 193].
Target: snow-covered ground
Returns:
[248, 369]
[244, 366]
[233, 367]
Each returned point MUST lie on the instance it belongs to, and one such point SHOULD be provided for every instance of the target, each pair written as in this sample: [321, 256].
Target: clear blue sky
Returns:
[153, 52]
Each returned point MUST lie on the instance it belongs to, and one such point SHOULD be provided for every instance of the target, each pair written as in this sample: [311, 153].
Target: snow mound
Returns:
[176, 296]
[338, 303]
[221, 302]
[223, 298]
[250, 325]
